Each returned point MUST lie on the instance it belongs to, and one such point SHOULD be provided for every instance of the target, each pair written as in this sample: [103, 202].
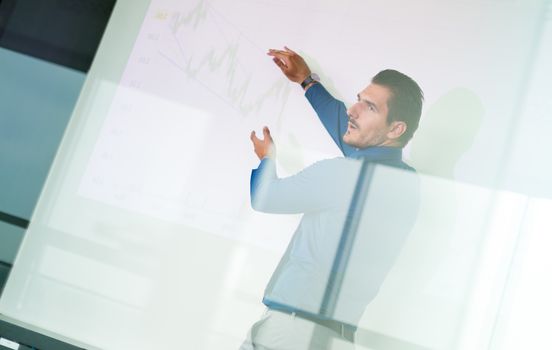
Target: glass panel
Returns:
[145, 237]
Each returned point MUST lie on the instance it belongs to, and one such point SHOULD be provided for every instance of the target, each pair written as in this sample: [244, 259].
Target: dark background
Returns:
[66, 33]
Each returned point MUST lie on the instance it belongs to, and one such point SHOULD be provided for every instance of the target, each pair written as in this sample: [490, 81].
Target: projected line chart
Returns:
[210, 50]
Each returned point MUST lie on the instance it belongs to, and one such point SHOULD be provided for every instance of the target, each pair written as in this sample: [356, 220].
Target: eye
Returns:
[370, 107]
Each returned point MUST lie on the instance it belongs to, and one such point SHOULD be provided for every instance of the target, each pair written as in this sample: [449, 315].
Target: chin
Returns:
[350, 142]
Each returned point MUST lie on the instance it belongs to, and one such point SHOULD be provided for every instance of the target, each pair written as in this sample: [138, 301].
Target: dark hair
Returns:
[405, 103]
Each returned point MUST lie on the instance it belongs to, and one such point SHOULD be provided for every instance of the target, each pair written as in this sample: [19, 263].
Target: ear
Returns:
[396, 129]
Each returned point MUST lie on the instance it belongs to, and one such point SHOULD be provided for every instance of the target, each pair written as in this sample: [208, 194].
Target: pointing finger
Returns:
[290, 50]
[279, 53]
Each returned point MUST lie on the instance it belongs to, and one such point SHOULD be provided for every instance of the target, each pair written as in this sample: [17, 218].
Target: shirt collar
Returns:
[377, 154]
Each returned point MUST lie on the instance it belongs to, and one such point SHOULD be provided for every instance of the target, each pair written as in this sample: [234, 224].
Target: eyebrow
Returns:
[370, 103]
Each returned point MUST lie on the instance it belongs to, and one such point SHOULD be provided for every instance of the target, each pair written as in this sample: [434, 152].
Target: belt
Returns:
[345, 330]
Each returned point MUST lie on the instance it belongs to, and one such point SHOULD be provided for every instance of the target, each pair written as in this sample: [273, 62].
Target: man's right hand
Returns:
[292, 65]
[265, 147]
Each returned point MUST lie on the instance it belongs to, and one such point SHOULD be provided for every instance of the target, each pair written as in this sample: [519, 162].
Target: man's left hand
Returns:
[265, 147]
[291, 63]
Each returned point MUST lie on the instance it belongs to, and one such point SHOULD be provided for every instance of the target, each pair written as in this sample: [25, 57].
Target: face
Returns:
[368, 119]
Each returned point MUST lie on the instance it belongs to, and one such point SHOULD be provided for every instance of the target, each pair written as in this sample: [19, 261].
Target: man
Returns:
[373, 130]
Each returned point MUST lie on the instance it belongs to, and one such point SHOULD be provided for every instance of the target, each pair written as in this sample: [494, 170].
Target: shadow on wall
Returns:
[446, 132]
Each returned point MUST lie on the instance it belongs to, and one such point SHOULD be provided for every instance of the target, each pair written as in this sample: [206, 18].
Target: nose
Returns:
[351, 111]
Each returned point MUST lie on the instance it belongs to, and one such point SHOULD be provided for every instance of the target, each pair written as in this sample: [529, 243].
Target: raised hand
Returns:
[292, 64]
[265, 147]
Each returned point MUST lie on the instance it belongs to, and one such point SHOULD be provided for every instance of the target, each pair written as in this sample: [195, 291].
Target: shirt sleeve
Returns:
[311, 190]
[332, 113]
